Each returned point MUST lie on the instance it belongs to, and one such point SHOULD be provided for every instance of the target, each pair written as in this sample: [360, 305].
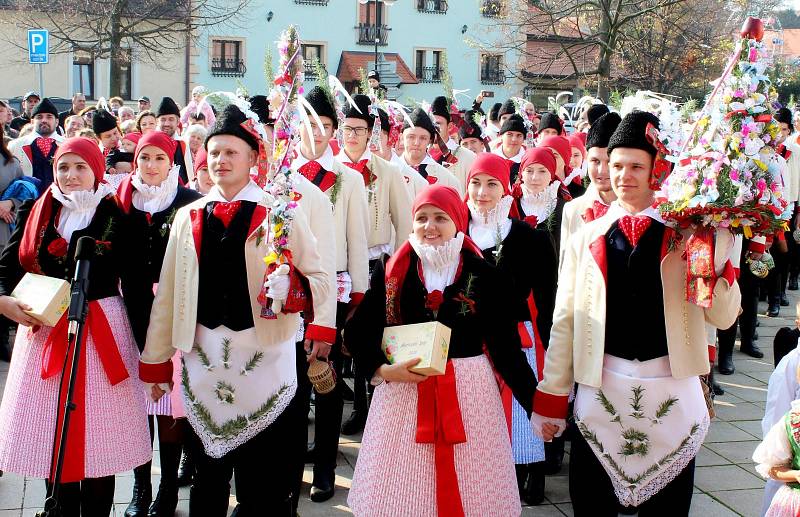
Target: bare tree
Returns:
[106, 28]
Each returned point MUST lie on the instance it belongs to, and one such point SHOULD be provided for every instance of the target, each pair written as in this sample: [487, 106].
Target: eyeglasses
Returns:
[358, 131]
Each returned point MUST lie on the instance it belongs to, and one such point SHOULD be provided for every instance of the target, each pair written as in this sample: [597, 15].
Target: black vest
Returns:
[42, 166]
[223, 295]
[513, 173]
[179, 160]
[635, 326]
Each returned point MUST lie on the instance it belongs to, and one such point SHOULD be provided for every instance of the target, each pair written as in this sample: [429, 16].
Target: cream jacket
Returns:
[18, 146]
[577, 338]
[389, 205]
[460, 169]
[173, 319]
[414, 182]
[572, 216]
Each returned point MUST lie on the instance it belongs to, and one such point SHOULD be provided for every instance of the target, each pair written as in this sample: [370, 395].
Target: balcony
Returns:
[309, 70]
[432, 6]
[367, 33]
[492, 76]
[311, 2]
[491, 8]
[429, 74]
[228, 67]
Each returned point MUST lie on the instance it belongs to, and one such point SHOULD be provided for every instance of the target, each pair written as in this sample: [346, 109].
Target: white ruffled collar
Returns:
[439, 263]
[542, 204]
[155, 198]
[490, 229]
[78, 208]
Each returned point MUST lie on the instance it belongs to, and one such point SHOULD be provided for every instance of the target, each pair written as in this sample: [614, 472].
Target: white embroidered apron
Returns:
[642, 424]
[234, 388]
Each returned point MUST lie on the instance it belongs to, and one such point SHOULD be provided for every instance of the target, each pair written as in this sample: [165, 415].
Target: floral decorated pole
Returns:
[729, 176]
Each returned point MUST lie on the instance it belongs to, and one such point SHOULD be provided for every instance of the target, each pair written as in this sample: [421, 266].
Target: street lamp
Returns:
[378, 28]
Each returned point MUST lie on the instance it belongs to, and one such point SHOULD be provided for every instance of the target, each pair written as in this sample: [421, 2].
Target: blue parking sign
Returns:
[38, 46]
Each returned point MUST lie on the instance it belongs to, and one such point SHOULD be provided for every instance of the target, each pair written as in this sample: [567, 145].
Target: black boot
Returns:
[774, 309]
[355, 423]
[554, 455]
[323, 486]
[521, 470]
[142, 492]
[793, 283]
[751, 349]
[784, 300]
[534, 486]
[167, 497]
[725, 358]
[186, 471]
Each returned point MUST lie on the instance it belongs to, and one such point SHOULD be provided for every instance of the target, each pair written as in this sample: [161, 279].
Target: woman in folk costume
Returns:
[639, 406]
[150, 197]
[525, 256]
[562, 152]
[413, 462]
[240, 360]
[108, 429]
[539, 195]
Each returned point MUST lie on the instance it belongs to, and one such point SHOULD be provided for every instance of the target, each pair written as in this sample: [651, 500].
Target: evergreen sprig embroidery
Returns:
[608, 407]
[103, 244]
[165, 228]
[204, 360]
[226, 353]
[225, 392]
[637, 409]
[252, 363]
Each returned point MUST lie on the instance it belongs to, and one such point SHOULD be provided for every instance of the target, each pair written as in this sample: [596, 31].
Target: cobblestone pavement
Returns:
[725, 480]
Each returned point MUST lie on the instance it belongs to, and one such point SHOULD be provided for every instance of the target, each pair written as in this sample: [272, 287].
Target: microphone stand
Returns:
[79, 308]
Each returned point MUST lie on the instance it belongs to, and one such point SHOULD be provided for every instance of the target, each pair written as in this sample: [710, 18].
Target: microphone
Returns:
[78, 301]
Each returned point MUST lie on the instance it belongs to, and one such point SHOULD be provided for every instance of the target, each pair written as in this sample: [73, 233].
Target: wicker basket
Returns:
[321, 376]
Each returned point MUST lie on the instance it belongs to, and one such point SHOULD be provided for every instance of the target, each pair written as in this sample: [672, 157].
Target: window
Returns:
[83, 73]
[311, 53]
[492, 8]
[492, 69]
[227, 58]
[432, 6]
[125, 75]
[429, 73]
[312, 2]
[371, 24]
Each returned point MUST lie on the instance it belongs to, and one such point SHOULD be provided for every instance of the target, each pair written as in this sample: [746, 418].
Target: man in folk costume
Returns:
[505, 111]
[599, 195]
[594, 112]
[511, 148]
[791, 191]
[104, 125]
[471, 134]
[785, 249]
[391, 132]
[345, 190]
[35, 151]
[417, 136]
[444, 150]
[639, 405]
[389, 216]
[168, 117]
[549, 125]
[240, 360]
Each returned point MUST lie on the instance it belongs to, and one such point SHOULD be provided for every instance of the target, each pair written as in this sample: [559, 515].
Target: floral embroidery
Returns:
[391, 293]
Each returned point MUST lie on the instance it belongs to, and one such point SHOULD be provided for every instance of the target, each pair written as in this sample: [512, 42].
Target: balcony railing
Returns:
[228, 67]
[492, 76]
[491, 8]
[429, 74]
[309, 69]
[432, 6]
[368, 32]
[312, 2]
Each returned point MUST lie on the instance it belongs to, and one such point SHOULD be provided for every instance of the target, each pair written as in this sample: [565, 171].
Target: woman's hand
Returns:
[7, 211]
[400, 372]
[549, 431]
[156, 393]
[14, 309]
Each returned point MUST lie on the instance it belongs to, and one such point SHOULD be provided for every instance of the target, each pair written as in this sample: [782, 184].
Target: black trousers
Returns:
[92, 497]
[749, 286]
[592, 493]
[266, 469]
[778, 276]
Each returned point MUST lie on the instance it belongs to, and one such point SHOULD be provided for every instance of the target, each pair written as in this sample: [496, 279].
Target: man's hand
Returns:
[317, 349]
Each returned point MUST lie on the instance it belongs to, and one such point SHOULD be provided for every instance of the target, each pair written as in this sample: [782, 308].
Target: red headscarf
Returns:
[155, 138]
[200, 160]
[42, 210]
[497, 167]
[133, 137]
[543, 156]
[446, 199]
[561, 145]
[579, 143]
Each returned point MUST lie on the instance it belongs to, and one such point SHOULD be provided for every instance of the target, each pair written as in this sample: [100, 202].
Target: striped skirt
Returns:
[395, 476]
[527, 447]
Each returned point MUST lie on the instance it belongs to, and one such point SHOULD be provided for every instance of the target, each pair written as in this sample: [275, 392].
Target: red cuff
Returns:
[320, 333]
[552, 406]
[780, 236]
[712, 353]
[299, 298]
[155, 373]
[355, 299]
[757, 247]
[729, 273]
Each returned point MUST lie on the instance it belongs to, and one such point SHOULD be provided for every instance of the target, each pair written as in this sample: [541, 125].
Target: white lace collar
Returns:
[542, 204]
[439, 263]
[155, 198]
[490, 229]
[78, 208]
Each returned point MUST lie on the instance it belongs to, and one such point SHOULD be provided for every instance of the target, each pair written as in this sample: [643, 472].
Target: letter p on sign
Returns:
[38, 46]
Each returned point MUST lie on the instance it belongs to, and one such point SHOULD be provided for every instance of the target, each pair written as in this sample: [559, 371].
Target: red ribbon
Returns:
[56, 348]
[439, 422]
[700, 275]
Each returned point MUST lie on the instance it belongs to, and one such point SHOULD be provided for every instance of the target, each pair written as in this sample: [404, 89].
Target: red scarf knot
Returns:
[433, 300]
[58, 248]
[45, 144]
[225, 212]
[633, 226]
[361, 168]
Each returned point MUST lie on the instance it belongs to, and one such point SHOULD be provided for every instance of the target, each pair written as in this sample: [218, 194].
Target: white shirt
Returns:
[616, 210]
[517, 158]
[491, 229]
[251, 192]
[342, 156]
[326, 160]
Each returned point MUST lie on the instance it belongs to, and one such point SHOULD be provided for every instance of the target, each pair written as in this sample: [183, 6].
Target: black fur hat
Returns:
[385, 124]
[103, 121]
[322, 104]
[550, 120]
[441, 106]
[494, 113]
[595, 111]
[785, 115]
[230, 123]
[513, 123]
[421, 119]
[45, 106]
[470, 129]
[630, 133]
[260, 106]
[363, 103]
[601, 130]
[168, 107]
[507, 108]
